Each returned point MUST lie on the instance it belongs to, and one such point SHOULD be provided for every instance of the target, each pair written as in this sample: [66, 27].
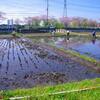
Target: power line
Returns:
[77, 4]
[21, 6]
[22, 13]
[47, 11]
[83, 5]
[85, 8]
[86, 11]
[66, 4]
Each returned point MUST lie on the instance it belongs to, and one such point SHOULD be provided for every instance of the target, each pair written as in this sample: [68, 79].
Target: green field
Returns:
[84, 90]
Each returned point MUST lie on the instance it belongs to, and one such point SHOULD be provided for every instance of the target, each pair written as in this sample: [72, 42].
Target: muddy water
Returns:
[83, 45]
[91, 49]
[24, 64]
[64, 42]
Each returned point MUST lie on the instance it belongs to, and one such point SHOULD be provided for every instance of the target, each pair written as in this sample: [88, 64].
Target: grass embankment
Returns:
[72, 34]
[5, 36]
[85, 34]
[79, 57]
[84, 90]
[43, 35]
[16, 34]
[11, 35]
[57, 34]
[30, 35]
[82, 59]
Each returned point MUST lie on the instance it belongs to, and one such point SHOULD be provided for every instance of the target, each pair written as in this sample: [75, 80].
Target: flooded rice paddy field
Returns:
[91, 49]
[83, 45]
[24, 64]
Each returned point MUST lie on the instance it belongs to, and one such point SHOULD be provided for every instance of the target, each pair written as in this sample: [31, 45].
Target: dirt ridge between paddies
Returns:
[77, 57]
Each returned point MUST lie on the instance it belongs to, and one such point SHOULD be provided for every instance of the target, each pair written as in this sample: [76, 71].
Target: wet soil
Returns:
[24, 64]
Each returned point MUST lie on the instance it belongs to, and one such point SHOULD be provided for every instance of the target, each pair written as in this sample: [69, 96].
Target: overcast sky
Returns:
[25, 8]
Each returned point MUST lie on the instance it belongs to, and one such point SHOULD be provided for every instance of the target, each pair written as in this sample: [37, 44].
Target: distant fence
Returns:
[35, 30]
[46, 30]
[84, 29]
[6, 30]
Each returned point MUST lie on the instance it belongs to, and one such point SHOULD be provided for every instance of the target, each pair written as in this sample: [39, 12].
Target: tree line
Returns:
[63, 22]
[74, 22]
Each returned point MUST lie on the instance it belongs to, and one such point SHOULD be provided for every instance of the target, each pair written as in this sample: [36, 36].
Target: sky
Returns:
[75, 8]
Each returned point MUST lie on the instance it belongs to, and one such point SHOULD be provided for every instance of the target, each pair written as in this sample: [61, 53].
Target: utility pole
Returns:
[47, 12]
[65, 9]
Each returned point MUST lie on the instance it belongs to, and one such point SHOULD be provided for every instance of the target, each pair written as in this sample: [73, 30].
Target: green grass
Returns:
[84, 95]
[47, 91]
[43, 35]
[84, 57]
[76, 54]
[16, 34]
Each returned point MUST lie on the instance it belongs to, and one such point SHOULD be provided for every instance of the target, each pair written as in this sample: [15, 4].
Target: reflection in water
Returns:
[93, 40]
[54, 38]
[90, 48]
[68, 37]
[26, 64]
[66, 41]
[58, 41]
[84, 45]
[62, 42]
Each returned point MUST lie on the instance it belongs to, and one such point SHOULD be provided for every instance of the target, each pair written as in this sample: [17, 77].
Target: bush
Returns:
[16, 34]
